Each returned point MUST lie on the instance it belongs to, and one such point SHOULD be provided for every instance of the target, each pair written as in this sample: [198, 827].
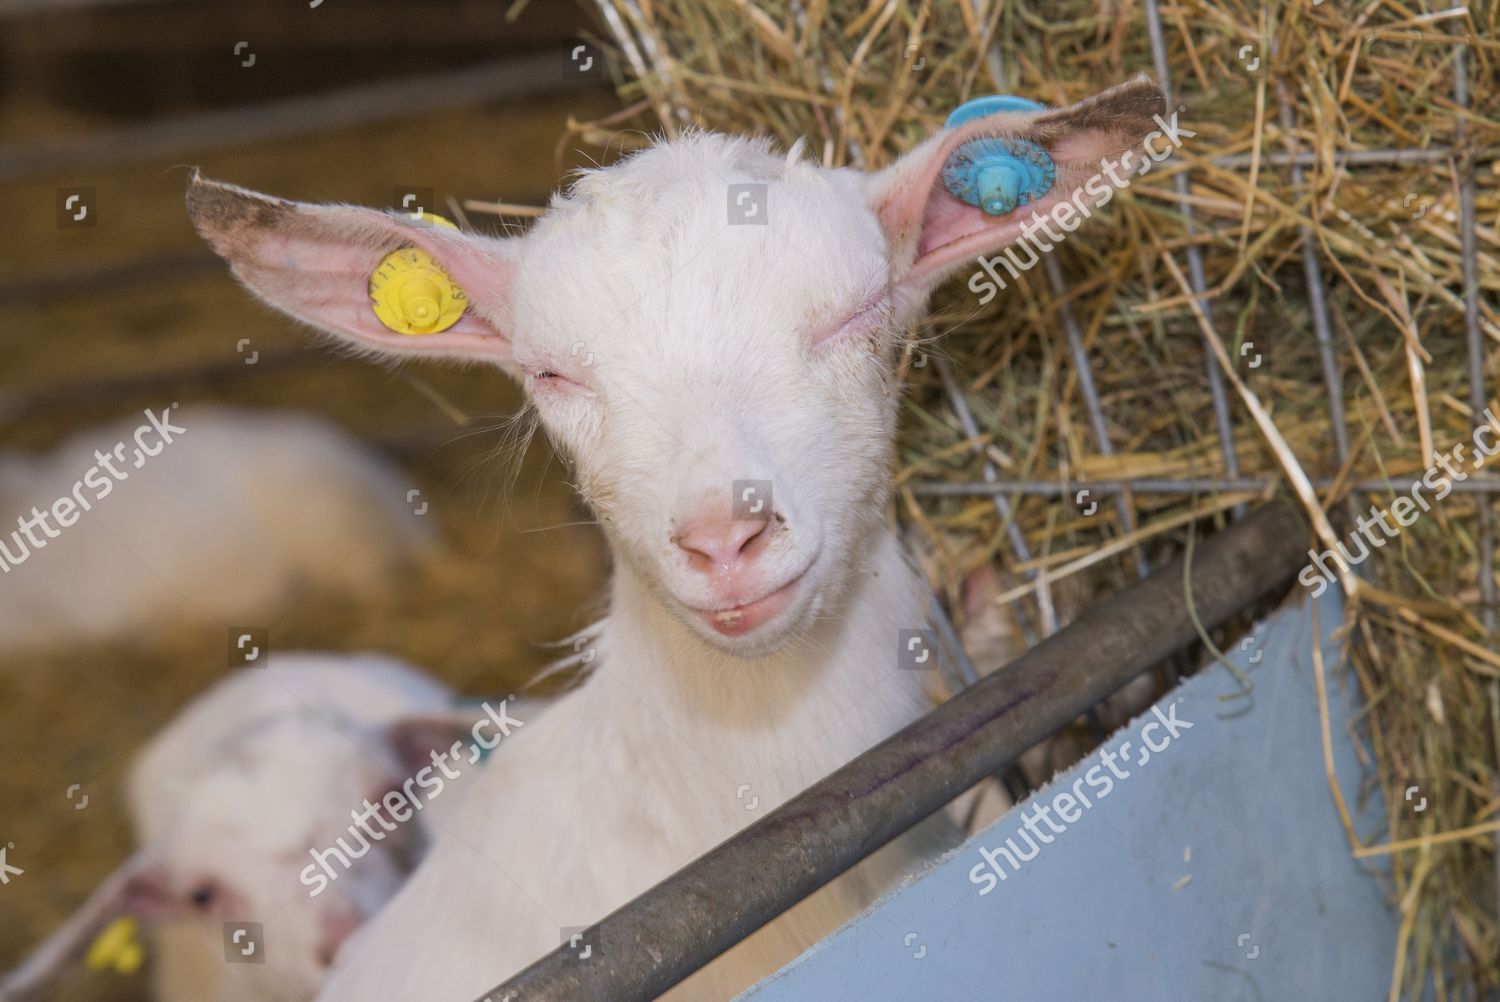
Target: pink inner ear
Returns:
[929, 230]
[946, 219]
[482, 271]
[930, 233]
[953, 231]
[911, 185]
[314, 263]
[485, 274]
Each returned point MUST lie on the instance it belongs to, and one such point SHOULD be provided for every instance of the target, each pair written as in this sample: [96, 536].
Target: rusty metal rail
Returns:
[672, 930]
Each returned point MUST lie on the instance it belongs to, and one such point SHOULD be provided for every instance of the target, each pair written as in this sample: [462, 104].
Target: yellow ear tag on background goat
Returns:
[116, 948]
[412, 294]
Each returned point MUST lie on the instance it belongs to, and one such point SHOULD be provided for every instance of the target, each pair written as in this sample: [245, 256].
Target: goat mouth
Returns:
[741, 619]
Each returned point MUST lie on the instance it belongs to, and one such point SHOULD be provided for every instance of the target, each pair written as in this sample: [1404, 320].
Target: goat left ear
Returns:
[930, 233]
[314, 263]
[136, 888]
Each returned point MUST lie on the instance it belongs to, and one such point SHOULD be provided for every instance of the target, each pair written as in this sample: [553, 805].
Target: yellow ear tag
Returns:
[116, 948]
[412, 294]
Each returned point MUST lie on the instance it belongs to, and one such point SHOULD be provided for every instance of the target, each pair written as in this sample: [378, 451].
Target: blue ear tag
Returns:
[993, 174]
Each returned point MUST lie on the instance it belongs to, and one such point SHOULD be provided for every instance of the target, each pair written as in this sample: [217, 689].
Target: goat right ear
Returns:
[413, 740]
[313, 262]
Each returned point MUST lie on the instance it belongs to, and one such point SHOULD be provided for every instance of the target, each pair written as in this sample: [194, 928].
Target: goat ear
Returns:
[313, 262]
[414, 739]
[929, 233]
[124, 892]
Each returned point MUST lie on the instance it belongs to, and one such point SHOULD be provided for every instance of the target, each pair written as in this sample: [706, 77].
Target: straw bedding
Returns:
[864, 80]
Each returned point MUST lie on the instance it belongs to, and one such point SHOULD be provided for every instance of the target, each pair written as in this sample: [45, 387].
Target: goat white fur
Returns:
[227, 801]
[677, 357]
[241, 513]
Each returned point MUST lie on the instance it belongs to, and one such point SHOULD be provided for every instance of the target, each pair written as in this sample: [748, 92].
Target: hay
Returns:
[863, 80]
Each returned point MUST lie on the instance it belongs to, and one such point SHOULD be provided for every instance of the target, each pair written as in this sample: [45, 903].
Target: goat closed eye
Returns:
[550, 387]
[553, 379]
[866, 320]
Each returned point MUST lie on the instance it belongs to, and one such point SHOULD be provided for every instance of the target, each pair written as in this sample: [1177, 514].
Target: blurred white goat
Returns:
[229, 800]
[239, 513]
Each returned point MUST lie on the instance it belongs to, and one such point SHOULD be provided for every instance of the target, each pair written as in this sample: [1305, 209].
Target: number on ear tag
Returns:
[410, 292]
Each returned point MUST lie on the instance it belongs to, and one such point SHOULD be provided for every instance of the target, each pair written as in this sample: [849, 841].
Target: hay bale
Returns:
[863, 80]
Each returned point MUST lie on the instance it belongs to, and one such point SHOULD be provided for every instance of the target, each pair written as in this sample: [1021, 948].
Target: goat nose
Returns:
[713, 543]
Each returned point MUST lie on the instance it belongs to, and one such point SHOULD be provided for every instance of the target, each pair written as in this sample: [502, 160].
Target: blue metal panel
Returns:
[1216, 869]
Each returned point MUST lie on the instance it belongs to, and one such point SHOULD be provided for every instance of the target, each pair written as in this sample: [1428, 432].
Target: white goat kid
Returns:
[228, 800]
[683, 365]
[237, 514]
